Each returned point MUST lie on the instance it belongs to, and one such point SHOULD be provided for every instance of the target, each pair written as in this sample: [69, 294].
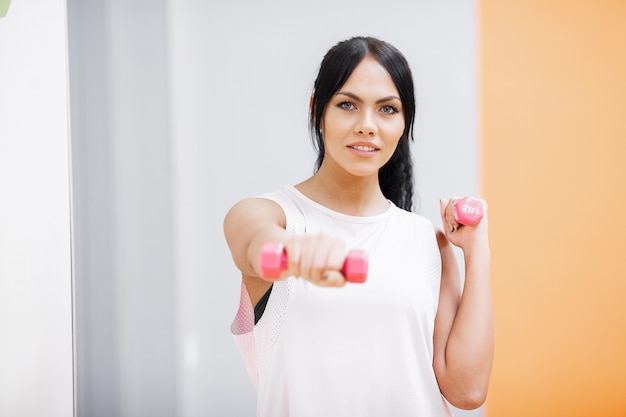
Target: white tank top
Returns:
[360, 350]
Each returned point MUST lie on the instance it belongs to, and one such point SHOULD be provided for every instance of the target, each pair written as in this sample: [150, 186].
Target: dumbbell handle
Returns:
[274, 261]
[469, 211]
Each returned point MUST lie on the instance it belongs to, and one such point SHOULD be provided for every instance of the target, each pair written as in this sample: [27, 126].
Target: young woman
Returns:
[396, 345]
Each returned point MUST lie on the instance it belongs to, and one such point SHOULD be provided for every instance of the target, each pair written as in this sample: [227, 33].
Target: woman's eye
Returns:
[389, 110]
[346, 105]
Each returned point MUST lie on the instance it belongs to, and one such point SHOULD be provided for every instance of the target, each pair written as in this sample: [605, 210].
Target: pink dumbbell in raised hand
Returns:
[274, 261]
[469, 211]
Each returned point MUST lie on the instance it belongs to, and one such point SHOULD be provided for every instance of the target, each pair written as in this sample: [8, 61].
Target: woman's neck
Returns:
[348, 194]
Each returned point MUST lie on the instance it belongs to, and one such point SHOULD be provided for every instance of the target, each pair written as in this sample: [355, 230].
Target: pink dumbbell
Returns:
[274, 261]
[468, 211]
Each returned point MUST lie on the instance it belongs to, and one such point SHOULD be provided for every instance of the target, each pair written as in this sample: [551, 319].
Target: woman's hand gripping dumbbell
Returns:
[274, 261]
[467, 211]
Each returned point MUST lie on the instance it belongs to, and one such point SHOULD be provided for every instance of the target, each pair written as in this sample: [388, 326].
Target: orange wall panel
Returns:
[553, 121]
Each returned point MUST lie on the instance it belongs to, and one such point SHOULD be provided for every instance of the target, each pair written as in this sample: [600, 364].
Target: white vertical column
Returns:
[36, 373]
[120, 131]
[140, 179]
[96, 354]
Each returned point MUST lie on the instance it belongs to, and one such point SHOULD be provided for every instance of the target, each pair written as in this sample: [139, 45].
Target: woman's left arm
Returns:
[464, 326]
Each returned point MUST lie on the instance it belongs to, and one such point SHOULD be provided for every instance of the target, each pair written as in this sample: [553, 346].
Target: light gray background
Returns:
[181, 108]
[240, 81]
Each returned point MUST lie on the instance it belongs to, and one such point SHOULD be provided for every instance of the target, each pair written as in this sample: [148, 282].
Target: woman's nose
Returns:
[365, 125]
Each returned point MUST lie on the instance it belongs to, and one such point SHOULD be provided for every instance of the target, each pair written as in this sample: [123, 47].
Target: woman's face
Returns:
[363, 121]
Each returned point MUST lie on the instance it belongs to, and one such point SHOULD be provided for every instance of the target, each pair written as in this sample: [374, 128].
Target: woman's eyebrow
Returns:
[357, 98]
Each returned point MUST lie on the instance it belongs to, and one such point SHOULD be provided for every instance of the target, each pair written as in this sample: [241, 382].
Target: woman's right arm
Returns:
[254, 221]
[247, 226]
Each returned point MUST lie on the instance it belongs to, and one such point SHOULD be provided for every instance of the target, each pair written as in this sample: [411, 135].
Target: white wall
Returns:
[36, 373]
[241, 76]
